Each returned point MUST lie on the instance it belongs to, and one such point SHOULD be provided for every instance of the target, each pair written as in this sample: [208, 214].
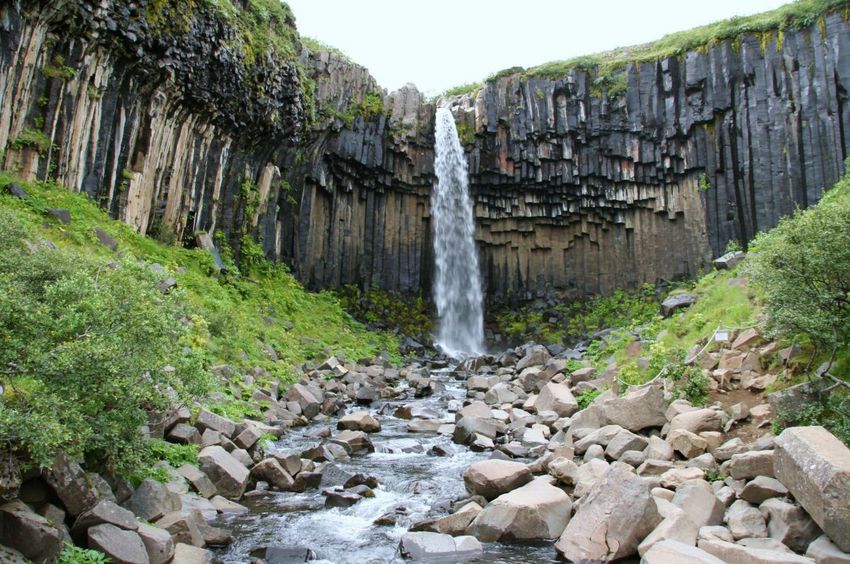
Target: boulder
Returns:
[188, 554]
[824, 552]
[675, 526]
[209, 420]
[33, 535]
[271, 471]
[624, 441]
[534, 511]
[248, 437]
[184, 434]
[675, 552]
[492, 478]
[71, 485]
[689, 444]
[698, 420]
[564, 470]
[359, 421]
[228, 475]
[638, 409]
[152, 500]
[745, 521]
[789, 524]
[815, 467]
[198, 479]
[184, 526]
[467, 428]
[729, 260]
[302, 395]
[123, 547]
[435, 546]
[733, 553]
[558, 398]
[678, 301]
[355, 442]
[104, 512]
[699, 501]
[614, 517]
[158, 543]
[761, 488]
[748, 465]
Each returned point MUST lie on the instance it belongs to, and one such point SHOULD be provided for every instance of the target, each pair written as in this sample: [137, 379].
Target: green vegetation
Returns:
[606, 68]
[465, 133]
[370, 107]
[76, 555]
[704, 184]
[388, 311]
[586, 397]
[90, 343]
[176, 455]
[317, 46]
[58, 69]
[471, 88]
[32, 138]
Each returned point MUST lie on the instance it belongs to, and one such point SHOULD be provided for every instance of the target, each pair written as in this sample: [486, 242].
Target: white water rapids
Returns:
[457, 284]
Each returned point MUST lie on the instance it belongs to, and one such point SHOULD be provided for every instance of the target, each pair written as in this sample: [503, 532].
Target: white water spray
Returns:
[457, 285]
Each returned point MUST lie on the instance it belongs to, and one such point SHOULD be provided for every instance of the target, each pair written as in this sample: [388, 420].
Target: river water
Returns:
[422, 483]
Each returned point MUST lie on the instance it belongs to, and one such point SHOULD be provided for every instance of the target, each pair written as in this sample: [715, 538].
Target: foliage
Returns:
[218, 318]
[471, 88]
[176, 455]
[586, 397]
[370, 107]
[803, 267]
[75, 555]
[384, 310]
[732, 246]
[693, 385]
[466, 133]
[704, 184]
[58, 69]
[317, 46]
[88, 348]
[831, 411]
[32, 138]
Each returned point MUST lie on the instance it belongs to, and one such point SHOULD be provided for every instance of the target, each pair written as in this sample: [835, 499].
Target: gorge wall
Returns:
[581, 185]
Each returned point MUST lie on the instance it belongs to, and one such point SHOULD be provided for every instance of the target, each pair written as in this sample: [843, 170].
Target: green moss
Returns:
[470, 88]
[32, 138]
[58, 69]
[317, 46]
[466, 133]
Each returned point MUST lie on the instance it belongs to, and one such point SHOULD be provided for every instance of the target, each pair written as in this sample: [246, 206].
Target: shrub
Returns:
[586, 398]
[89, 347]
[76, 555]
[803, 266]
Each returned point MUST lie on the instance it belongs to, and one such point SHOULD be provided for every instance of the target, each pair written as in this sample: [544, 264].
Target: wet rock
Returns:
[34, 536]
[815, 467]
[152, 500]
[275, 554]
[359, 421]
[424, 426]
[492, 478]
[270, 470]
[615, 516]
[123, 547]
[534, 511]
[356, 442]
[340, 498]
[435, 546]
[455, 524]
[228, 475]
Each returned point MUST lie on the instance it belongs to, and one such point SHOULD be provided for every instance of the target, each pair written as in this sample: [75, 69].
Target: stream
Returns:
[423, 484]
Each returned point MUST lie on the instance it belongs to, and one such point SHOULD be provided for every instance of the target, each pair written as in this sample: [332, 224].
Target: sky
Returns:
[438, 44]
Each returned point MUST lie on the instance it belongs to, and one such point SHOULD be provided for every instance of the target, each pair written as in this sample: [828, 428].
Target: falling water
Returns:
[457, 288]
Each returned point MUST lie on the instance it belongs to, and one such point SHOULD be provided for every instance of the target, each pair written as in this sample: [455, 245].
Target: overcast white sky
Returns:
[437, 44]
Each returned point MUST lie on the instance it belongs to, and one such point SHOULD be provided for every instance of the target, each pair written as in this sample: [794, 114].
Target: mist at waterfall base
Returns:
[457, 281]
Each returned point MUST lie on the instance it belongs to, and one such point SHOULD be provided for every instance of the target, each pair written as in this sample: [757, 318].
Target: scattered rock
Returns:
[436, 546]
[228, 475]
[152, 500]
[534, 511]
[359, 421]
[28, 532]
[492, 478]
[123, 547]
[678, 301]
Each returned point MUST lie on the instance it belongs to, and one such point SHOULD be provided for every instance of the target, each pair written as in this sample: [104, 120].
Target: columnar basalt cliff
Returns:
[581, 185]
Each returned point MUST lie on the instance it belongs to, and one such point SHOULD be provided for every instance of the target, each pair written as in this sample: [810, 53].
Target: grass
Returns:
[32, 138]
[317, 46]
[609, 66]
[240, 316]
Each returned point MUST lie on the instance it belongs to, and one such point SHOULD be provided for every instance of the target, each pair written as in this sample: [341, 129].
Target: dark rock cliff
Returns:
[579, 188]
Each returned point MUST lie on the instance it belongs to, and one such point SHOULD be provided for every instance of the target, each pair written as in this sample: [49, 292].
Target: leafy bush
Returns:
[832, 412]
[803, 266]
[586, 398]
[176, 455]
[88, 348]
[76, 555]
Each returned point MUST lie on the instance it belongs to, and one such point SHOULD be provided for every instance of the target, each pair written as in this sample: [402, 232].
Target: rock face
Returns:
[616, 516]
[580, 186]
[815, 467]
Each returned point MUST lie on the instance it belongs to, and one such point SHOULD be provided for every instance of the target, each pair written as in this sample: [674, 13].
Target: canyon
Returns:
[583, 182]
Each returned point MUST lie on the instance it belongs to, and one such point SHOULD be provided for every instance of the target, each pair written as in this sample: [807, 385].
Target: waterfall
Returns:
[457, 284]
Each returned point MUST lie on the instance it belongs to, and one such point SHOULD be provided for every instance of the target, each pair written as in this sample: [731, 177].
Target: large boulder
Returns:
[228, 475]
[614, 517]
[34, 536]
[638, 409]
[492, 478]
[209, 420]
[152, 500]
[534, 511]
[158, 543]
[439, 547]
[71, 485]
[735, 553]
[271, 471]
[104, 512]
[815, 467]
[789, 524]
[123, 547]
[558, 398]
[679, 301]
